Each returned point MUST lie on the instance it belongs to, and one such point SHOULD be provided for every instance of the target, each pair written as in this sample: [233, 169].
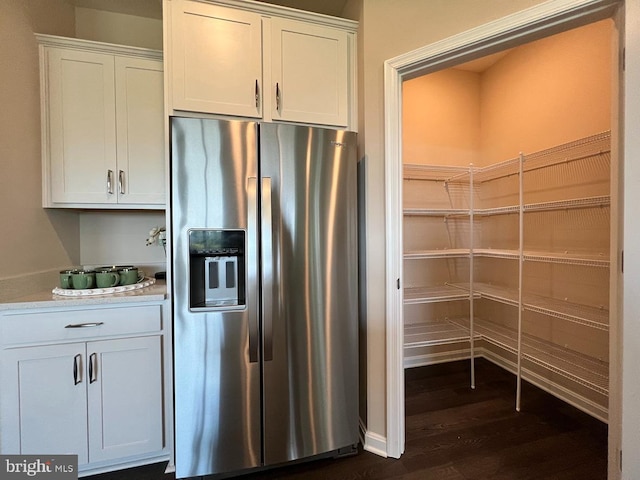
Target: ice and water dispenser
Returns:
[217, 267]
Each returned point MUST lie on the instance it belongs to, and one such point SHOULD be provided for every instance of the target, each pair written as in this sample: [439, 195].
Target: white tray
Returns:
[68, 292]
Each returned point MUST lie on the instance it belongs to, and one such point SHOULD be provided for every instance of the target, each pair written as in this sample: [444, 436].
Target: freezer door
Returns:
[216, 350]
[309, 306]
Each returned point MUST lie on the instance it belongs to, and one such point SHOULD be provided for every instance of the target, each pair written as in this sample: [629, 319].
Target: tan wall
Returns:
[548, 92]
[539, 95]
[118, 28]
[33, 239]
[441, 118]
[119, 238]
[390, 29]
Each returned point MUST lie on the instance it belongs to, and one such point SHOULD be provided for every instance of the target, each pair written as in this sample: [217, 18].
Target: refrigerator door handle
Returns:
[267, 269]
[252, 290]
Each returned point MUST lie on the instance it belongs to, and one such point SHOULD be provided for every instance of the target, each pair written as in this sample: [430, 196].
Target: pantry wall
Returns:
[506, 225]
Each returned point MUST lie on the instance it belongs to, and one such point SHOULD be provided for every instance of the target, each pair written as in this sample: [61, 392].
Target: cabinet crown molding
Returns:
[286, 12]
[101, 47]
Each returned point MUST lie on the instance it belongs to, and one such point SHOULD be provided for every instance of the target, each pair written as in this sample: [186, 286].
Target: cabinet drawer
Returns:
[23, 328]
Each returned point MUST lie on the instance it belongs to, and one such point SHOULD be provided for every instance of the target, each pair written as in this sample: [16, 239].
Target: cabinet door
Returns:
[82, 131]
[125, 397]
[309, 74]
[216, 59]
[44, 401]
[140, 124]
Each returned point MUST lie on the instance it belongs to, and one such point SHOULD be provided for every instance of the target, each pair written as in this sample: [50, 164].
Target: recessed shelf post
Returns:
[471, 314]
[520, 285]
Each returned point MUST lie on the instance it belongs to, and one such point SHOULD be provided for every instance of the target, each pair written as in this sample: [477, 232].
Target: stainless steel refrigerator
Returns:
[264, 285]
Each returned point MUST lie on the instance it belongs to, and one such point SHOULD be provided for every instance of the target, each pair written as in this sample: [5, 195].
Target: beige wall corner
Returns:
[33, 239]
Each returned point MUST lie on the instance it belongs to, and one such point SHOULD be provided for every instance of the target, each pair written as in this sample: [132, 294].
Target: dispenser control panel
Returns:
[217, 268]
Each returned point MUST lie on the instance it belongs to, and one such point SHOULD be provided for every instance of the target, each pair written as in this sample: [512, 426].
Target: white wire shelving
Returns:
[437, 253]
[439, 332]
[569, 204]
[582, 369]
[565, 258]
[436, 212]
[600, 260]
[434, 173]
[573, 203]
[551, 166]
[434, 294]
[594, 317]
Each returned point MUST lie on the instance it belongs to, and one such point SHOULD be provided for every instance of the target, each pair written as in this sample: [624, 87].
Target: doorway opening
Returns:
[508, 127]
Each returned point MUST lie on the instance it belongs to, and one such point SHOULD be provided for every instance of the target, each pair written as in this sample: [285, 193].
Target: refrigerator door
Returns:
[309, 305]
[216, 369]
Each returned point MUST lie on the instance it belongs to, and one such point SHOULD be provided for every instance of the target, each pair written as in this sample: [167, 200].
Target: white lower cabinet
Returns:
[44, 407]
[101, 399]
[124, 397]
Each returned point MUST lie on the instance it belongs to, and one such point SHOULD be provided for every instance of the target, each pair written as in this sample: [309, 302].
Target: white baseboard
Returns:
[373, 442]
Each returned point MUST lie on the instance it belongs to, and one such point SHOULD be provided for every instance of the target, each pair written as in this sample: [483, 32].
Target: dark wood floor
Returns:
[455, 433]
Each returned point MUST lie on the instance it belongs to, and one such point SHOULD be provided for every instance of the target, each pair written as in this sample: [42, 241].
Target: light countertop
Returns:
[46, 299]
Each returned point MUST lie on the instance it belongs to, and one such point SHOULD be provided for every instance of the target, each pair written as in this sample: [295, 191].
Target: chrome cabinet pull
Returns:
[110, 182]
[77, 369]
[93, 368]
[121, 181]
[84, 325]
[257, 95]
[278, 97]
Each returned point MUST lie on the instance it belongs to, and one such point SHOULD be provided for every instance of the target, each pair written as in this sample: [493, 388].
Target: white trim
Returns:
[628, 332]
[99, 47]
[267, 9]
[536, 22]
[373, 443]
[547, 18]
[394, 297]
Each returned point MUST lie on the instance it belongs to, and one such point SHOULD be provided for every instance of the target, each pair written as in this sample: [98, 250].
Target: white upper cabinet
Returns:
[102, 125]
[140, 131]
[248, 59]
[309, 73]
[216, 57]
[82, 128]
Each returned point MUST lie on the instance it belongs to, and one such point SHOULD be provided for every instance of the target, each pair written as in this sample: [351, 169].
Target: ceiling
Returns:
[483, 63]
[153, 8]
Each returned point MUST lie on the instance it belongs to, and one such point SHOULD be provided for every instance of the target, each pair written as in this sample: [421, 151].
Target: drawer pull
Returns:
[77, 369]
[110, 182]
[121, 181]
[93, 368]
[84, 325]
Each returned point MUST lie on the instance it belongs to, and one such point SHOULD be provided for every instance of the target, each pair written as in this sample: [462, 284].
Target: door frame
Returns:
[548, 18]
